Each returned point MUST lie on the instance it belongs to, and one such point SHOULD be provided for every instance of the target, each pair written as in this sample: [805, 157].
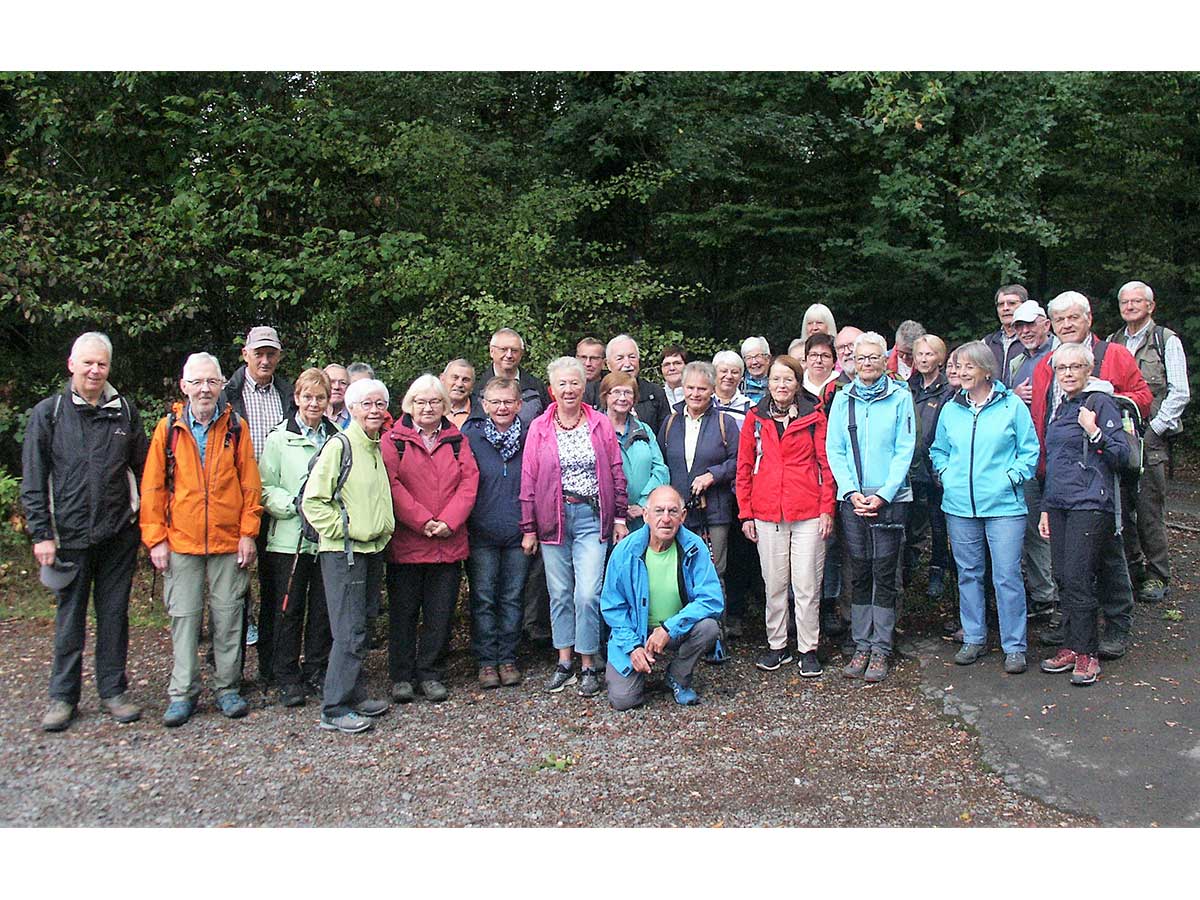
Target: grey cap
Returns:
[263, 336]
[59, 575]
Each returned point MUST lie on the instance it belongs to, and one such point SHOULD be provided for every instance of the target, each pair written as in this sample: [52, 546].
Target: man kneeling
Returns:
[661, 592]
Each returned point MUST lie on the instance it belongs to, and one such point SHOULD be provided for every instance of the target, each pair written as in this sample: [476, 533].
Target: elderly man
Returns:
[1071, 319]
[83, 453]
[671, 362]
[507, 349]
[590, 352]
[201, 515]
[339, 380]
[844, 345]
[661, 593]
[1003, 342]
[900, 360]
[622, 355]
[756, 354]
[1158, 353]
[459, 380]
[1032, 328]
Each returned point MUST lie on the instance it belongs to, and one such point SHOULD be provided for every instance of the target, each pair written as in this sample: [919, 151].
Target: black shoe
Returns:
[1113, 644]
[291, 695]
[936, 585]
[773, 659]
[810, 666]
[832, 624]
[1055, 635]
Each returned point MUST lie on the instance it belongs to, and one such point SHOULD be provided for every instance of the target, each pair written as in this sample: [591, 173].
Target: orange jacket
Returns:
[211, 506]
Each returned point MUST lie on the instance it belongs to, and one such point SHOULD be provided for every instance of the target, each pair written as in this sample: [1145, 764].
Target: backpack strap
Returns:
[667, 430]
[721, 424]
[343, 474]
[1098, 350]
[852, 427]
[169, 469]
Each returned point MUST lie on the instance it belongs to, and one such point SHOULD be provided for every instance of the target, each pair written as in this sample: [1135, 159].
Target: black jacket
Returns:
[652, 406]
[83, 462]
[233, 393]
[535, 399]
[929, 403]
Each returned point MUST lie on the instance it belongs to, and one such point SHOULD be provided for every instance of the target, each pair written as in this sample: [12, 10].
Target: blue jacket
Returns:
[715, 453]
[982, 458]
[886, 440]
[1081, 474]
[495, 520]
[625, 600]
[642, 461]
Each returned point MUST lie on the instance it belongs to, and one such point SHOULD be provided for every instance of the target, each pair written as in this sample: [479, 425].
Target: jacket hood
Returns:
[1099, 386]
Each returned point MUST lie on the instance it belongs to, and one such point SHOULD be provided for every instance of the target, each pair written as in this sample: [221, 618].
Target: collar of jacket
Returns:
[291, 425]
[894, 383]
[594, 417]
[183, 410]
[237, 381]
[999, 392]
[806, 405]
[404, 429]
[916, 384]
[688, 542]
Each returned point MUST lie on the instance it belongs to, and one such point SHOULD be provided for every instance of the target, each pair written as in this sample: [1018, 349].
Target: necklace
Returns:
[558, 420]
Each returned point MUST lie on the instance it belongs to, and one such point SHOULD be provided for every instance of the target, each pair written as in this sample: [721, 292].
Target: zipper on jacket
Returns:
[971, 467]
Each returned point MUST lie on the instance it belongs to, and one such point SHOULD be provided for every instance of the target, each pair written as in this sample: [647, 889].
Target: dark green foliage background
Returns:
[400, 218]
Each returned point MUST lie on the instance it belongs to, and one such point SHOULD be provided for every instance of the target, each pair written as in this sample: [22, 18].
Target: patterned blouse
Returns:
[577, 459]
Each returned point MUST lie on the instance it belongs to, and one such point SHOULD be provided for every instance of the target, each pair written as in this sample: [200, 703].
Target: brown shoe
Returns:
[58, 716]
[489, 677]
[858, 665]
[122, 709]
[510, 675]
[877, 669]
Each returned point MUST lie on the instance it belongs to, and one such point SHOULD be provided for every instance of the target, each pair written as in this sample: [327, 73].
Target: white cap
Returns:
[1029, 311]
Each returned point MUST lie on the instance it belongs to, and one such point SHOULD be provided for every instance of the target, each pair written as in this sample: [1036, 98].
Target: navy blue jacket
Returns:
[495, 520]
[714, 453]
[1079, 473]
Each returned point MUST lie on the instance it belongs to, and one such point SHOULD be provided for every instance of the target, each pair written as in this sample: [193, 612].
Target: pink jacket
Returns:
[541, 477]
[429, 485]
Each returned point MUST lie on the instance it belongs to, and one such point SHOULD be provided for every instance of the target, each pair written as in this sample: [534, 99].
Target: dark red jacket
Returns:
[1118, 368]
[793, 482]
[429, 485]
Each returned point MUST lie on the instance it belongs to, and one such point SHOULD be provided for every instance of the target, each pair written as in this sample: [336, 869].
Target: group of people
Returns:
[635, 516]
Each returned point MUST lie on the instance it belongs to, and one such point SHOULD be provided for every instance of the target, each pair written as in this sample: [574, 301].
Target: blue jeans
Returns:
[1005, 539]
[574, 575]
[497, 577]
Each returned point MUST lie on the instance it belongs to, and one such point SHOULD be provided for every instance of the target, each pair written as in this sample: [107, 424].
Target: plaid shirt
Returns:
[264, 410]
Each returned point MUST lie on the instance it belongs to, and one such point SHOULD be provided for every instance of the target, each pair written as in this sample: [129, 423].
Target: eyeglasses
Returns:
[506, 351]
[584, 358]
[1133, 301]
[1071, 367]
[205, 382]
[436, 401]
[501, 403]
[373, 404]
[873, 358]
[624, 393]
[825, 356]
[752, 356]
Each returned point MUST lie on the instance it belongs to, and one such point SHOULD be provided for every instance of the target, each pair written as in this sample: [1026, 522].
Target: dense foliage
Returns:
[400, 218]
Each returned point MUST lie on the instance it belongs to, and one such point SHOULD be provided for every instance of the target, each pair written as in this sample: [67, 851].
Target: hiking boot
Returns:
[1087, 670]
[878, 668]
[832, 624]
[372, 708]
[350, 723]
[1113, 643]
[733, 627]
[810, 666]
[1152, 591]
[858, 665]
[122, 708]
[291, 695]
[251, 635]
[1055, 634]
[58, 716]
[1014, 663]
[434, 691]
[562, 677]
[178, 712]
[684, 695]
[589, 683]
[489, 677]
[1061, 661]
[773, 659]
[970, 653]
[1040, 613]
[402, 692]
[232, 705]
[510, 675]
[936, 582]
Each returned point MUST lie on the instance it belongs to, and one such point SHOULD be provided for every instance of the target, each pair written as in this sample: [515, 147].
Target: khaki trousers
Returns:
[183, 592]
[792, 554]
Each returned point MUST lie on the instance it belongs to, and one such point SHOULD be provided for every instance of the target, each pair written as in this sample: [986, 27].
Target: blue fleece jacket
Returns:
[886, 440]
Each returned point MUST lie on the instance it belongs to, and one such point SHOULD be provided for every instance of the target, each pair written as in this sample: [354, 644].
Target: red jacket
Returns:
[793, 481]
[429, 485]
[1118, 368]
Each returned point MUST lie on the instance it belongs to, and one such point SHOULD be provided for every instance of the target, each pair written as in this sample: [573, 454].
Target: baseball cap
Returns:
[59, 574]
[1028, 312]
[263, 336]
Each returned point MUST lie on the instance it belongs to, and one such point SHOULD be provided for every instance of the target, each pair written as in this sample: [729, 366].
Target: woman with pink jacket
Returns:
[573, 502]
[433, 479]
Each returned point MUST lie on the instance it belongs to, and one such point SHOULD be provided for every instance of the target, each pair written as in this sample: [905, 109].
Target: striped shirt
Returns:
[264, 410]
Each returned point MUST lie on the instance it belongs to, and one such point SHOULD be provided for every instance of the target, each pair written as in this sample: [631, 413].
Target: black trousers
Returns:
[425, 592]
[304, 621]
[106, 573]
[1079, 541]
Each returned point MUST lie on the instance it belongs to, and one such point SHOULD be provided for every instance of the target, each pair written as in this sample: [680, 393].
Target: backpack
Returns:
[307, 532]
[1134, 427]
[720, 422]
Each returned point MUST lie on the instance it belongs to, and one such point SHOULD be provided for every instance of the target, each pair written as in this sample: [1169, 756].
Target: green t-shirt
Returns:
[663, 569]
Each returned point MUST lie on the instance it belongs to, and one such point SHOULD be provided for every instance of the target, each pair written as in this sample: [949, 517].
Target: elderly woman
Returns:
[727, 393]
[756, 355]
[433, 480]
[931, 391]
[498, 565]
[573, 502]
[355, 523]
[785, 503]
[300, 612]
[984, 449]
[700, 446]
[641, 459]
[818, 319]
[870, 446]
[1085, 449]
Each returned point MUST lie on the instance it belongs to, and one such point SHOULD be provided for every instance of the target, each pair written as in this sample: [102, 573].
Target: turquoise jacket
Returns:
[642, 460]
[886, 440]
[625, 600]
[982, 456]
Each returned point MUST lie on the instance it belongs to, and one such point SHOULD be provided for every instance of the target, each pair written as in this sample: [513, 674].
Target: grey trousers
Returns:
[1144, 519]
[1040, 592]
[183, 591]
[628, 691]
[347, 589]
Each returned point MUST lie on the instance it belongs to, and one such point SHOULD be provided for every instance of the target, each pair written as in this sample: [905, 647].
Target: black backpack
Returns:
[307, 532]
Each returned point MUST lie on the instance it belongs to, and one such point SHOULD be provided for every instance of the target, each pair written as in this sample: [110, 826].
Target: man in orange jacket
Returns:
[200, 515]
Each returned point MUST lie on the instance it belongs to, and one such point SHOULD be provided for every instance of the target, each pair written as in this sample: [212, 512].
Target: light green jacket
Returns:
[283, 466]
[367, 496]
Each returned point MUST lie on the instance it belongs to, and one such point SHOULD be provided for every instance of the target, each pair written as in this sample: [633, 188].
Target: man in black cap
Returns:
[81, 462]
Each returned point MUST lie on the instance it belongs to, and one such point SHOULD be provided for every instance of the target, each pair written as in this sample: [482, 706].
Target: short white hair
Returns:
[1137, 286]
[729, 358]
[567, 362]
[705, 370]
[422, 383]
[198, 358]
[1068, 300]
[364, 388]
[755, 343]
[822, 312]
[621, 337]
[871, 337]
[1076, 351]
[500, 332]
[91, 337]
